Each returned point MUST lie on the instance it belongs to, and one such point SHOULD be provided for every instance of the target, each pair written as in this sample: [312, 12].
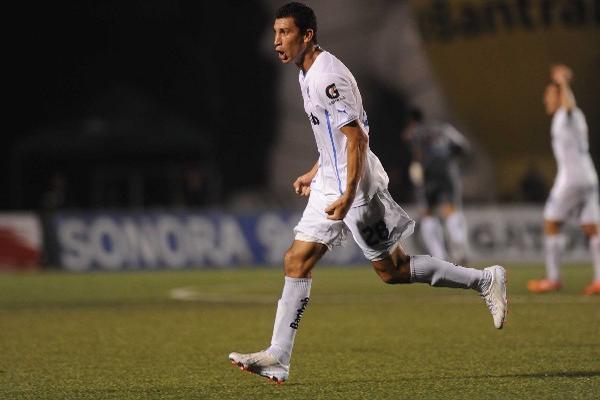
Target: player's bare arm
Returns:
[356, 148]
[562, 75]
[302, 183]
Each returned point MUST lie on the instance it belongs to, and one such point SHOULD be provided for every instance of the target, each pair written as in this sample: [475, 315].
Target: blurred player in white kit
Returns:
[347, 189]
[575, 189]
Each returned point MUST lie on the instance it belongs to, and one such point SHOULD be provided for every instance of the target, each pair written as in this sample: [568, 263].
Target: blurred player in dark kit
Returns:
[436, 151]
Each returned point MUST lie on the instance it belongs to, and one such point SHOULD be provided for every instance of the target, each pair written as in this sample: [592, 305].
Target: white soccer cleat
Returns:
[261, 363]
[495, 295]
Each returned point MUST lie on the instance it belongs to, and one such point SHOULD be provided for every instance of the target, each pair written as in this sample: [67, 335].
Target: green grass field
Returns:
[124, 336]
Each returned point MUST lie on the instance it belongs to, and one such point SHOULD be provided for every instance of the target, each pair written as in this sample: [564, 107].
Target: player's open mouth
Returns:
[282, 55]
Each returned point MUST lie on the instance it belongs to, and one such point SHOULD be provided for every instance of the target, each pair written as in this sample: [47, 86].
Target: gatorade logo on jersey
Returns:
[332, 92]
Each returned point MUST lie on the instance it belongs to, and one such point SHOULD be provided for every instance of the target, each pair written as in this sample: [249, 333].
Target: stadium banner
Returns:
[174, 240]
[20, 241]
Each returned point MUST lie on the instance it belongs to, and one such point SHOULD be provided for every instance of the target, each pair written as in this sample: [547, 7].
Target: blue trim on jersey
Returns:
[334, 151]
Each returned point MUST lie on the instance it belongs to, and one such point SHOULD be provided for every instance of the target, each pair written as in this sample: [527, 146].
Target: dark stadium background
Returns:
[166, 87]
[174, 103]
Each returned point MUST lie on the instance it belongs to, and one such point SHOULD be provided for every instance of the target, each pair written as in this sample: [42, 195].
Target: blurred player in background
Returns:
[348, 195]
[575, 189]
[434, 171]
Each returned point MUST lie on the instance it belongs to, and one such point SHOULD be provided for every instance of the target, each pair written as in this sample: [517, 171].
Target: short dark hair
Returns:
[303, 15]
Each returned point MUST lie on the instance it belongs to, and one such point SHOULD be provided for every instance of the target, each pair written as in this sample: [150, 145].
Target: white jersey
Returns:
[332, 100]
[570, 146]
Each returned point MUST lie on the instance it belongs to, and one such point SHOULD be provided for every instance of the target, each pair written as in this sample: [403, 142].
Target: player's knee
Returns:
[402, 263]
[390, 279]
[552, 227]
[590, 230]
[395, 278]
[447, 209]
[290, 260]
[393, 273]
[293, 263]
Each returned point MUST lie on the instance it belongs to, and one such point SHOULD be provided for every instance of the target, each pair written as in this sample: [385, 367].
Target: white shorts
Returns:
[580, 201]
[376, 227]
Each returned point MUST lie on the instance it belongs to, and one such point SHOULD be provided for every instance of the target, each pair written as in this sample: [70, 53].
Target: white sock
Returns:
[441, 273]
[595, 249]
[554, 245]
[432, 234]
[457, 232]
[291, 306]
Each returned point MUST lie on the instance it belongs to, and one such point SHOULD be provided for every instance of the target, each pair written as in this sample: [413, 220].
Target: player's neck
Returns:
[309, 57]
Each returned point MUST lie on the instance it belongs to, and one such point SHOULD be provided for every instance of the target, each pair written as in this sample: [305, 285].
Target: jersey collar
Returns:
[314, 64]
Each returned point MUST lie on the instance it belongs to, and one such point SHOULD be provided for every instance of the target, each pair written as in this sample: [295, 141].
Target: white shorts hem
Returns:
[302, 237]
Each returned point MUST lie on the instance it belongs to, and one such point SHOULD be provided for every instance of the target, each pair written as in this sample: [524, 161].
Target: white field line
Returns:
[190, 293]
[193, 294]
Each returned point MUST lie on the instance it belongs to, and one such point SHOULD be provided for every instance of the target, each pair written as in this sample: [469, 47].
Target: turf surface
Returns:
[166, 335]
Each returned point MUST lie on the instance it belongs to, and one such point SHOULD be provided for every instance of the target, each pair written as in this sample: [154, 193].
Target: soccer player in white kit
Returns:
[575, 188]
[347, 189]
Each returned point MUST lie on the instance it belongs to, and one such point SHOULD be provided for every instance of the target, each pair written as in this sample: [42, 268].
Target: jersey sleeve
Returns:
[561, 118]
[336, 96]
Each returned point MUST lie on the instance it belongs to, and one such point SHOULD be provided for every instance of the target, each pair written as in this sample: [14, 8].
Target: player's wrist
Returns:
[349, 195]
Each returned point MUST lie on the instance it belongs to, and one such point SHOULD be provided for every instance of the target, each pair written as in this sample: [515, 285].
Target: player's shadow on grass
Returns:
[543, 375]
[539, 375]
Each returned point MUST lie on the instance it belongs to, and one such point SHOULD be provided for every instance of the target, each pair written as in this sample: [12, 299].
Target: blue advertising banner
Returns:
[171, 240]
[122, 241]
